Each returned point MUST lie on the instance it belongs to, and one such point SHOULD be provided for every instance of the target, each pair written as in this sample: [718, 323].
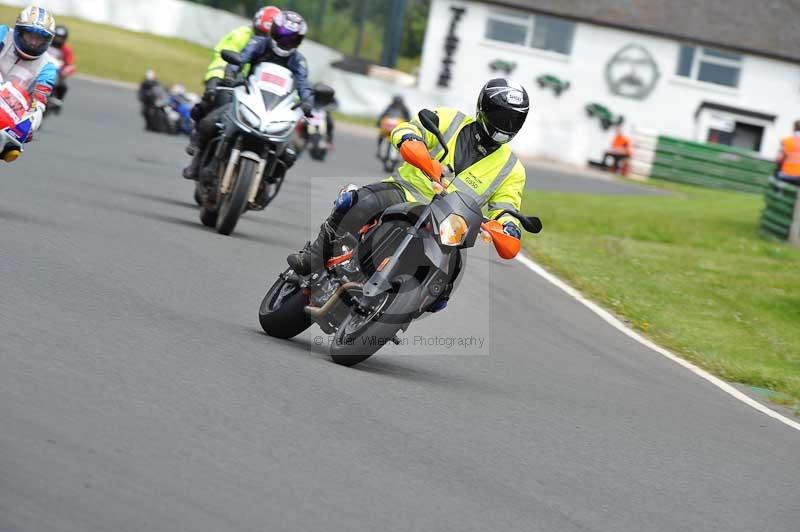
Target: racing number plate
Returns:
[13, 102]
[273, 82]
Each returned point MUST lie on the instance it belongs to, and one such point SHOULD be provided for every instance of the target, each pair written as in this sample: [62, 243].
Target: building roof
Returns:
[764, 27]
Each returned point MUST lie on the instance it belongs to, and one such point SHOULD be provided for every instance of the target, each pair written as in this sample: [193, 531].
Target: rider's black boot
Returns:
[192, 171]
[309, 259]
[192, 149]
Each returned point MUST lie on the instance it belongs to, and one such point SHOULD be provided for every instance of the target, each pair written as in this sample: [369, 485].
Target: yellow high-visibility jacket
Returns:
[496, 181]
[236, 41]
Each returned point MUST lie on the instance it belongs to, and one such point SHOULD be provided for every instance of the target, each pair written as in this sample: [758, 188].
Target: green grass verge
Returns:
[689, 270]
[365, 121]
[122, 55]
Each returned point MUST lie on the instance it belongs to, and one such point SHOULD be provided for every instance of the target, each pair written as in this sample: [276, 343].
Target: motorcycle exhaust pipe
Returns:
[321, 312]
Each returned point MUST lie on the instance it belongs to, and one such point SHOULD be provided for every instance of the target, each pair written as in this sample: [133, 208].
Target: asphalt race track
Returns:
[138, 393]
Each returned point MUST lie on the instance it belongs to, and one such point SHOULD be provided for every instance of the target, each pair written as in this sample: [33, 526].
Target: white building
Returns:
[725, 71]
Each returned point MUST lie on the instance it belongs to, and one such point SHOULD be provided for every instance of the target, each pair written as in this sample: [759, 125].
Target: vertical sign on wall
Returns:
[450, 47]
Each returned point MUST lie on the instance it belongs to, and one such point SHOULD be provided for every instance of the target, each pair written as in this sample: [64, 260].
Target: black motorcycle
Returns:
[396, 269]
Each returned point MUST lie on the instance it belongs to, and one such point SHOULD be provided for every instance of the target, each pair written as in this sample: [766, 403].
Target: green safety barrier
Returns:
[780, 209]
[710, 165]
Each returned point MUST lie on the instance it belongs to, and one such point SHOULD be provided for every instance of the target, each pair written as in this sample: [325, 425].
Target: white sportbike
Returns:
[239, 168]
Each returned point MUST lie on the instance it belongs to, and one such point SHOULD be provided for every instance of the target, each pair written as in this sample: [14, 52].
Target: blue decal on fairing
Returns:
[22, 130]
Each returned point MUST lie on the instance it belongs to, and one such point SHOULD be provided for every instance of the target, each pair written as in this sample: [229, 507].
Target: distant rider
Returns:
[397, 109]
[789, 157]
[150, 91]
[236, 41]
[61, 52]
[479, 154]
[287, 32]
[23, 57]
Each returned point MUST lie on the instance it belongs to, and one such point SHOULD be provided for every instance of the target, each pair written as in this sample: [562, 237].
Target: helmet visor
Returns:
[32, 40]
[286, 39]
[504, 119]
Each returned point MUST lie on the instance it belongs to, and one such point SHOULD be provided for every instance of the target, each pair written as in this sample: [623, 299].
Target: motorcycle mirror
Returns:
[229, 56]
[531, 224]
[430, 121]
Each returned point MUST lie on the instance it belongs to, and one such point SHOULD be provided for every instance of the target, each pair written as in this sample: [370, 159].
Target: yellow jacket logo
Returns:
[471, 180]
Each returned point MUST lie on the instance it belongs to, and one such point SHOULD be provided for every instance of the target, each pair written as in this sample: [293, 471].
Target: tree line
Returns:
[335, 23]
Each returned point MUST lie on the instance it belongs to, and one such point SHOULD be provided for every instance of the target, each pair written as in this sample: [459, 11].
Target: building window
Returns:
[537, 31]
[709, 65]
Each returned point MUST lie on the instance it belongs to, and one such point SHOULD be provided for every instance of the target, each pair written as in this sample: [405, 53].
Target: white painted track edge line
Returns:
[617, 324]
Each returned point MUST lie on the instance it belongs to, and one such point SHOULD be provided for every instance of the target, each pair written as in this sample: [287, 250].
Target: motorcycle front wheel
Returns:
[281, 313]
[361, 335]
[234, 203]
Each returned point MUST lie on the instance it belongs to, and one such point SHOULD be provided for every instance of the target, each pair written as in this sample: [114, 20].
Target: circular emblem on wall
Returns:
[632, 72]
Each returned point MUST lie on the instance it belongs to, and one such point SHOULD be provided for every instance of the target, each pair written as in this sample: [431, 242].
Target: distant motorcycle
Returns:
[15, 120]
[182, 103]
[55, 104]
[167, 111]
[387, 154]
[312, 135]
[313, 132]
[375, 283]
[159, 115]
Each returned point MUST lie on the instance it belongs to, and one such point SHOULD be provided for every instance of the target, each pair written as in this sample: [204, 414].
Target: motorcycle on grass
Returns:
[374, 284]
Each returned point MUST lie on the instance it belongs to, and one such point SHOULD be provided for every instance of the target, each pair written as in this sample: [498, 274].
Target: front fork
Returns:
[233, 162]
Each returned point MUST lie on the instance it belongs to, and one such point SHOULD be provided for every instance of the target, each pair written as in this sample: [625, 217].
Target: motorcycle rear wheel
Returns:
[317, 152]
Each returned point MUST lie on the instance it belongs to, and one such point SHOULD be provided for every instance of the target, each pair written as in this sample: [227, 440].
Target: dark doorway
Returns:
[746, 136]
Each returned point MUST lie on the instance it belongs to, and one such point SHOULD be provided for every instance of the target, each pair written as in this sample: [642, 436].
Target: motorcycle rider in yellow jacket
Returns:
[478, 153]
[235, 41]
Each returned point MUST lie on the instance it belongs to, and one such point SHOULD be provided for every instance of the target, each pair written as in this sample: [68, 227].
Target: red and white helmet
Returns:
[262, 21]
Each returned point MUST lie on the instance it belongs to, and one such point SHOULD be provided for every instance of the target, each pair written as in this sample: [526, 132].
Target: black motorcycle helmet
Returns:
[502, 108]
[60, 36]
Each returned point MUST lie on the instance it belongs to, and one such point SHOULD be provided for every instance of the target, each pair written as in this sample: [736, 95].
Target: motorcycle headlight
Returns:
[279, 128]
[453, 230]
[249, 117]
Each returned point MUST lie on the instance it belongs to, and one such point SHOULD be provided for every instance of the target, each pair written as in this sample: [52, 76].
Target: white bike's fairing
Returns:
[265, 103]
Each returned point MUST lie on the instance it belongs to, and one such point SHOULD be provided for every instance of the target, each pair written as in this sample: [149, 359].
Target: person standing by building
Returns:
[616, 158]
[789, 157]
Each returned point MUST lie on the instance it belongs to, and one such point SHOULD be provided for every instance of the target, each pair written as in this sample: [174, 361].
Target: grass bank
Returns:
[123, 55]
[689, 270]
